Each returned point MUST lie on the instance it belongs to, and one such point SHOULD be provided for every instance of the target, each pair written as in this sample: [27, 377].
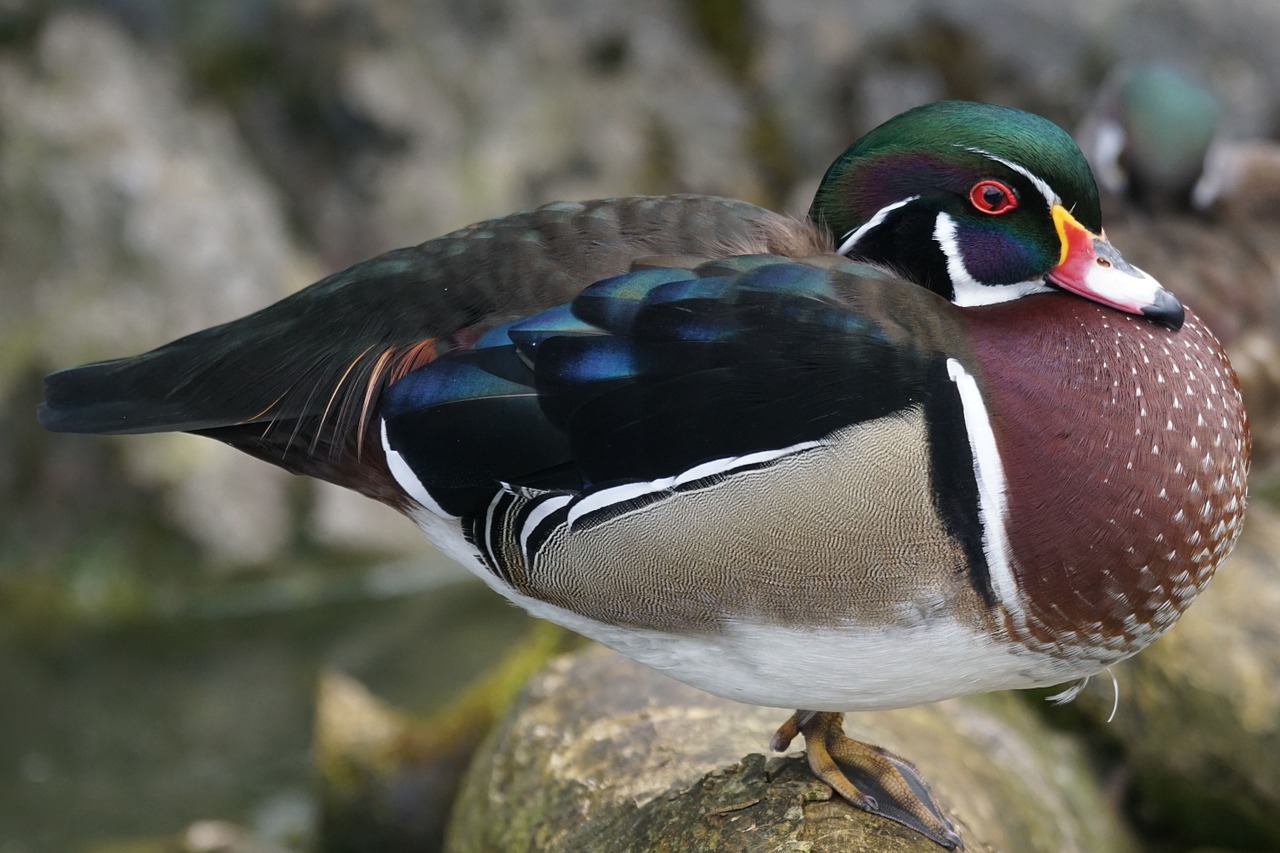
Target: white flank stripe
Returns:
[541, 511]
[615, 495]
[630, 491]
[968, 290]
[724, 466]
[988, 470]
[851, 239]
[1050, 197]
[406, 478]
[489, 543]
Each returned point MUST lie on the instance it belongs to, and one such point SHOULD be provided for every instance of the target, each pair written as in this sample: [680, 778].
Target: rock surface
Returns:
[601, 754]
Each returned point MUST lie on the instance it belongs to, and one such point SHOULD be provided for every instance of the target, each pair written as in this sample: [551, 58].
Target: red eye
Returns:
[993, 197]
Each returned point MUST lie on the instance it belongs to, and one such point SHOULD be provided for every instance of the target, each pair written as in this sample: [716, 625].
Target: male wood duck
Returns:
[1148, 132]
[937, 438]
[1153, 137]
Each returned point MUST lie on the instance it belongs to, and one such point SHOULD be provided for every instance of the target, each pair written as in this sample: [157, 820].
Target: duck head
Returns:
[981, 204]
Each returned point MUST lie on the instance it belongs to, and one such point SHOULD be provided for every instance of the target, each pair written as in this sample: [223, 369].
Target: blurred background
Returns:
[167, 605]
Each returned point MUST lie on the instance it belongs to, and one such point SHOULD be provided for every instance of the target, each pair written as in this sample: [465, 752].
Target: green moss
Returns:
[372, 759]
[728, 27]
[771, 148]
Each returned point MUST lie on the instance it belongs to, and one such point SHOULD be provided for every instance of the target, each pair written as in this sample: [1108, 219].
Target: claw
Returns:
[871, 778]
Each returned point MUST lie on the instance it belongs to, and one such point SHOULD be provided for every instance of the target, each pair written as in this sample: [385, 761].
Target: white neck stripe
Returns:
[851, 239]
[967, 289]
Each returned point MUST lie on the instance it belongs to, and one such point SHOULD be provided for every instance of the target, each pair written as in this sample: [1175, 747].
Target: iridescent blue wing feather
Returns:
[649, 374]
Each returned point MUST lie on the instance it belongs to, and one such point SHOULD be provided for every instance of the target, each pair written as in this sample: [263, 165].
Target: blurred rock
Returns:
[136, 217]
[389, 123]
[601, 754]
[158, 224]
[205, 836]
[545, 101]
[1198, 724]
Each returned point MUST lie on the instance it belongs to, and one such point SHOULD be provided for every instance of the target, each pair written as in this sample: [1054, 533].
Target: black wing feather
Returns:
[719, 363]
[295, 382]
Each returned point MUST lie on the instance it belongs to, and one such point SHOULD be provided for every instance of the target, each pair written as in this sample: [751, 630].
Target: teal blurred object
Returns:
[1149, 133]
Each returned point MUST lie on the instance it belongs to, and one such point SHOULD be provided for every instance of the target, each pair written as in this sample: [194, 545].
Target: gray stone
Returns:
[148, 223]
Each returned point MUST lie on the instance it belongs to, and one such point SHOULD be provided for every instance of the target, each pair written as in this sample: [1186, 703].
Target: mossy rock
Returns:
[602, 754]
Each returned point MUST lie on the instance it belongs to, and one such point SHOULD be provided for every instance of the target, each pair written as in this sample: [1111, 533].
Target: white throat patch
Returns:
[968, 290]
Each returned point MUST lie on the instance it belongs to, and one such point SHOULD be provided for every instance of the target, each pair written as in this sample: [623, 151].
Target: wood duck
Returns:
[936, 438]
[1148, 132]
[1153, 137]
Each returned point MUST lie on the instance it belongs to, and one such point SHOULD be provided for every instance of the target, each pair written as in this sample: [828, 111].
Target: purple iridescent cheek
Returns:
[994, 255]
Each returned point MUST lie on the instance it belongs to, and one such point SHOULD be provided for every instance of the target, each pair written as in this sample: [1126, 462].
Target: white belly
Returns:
[849, 668]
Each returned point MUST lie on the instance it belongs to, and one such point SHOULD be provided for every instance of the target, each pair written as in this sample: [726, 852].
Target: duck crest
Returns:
[1126, 452]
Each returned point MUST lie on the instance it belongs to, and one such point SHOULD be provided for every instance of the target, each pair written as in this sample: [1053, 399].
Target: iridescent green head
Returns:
[980, 204]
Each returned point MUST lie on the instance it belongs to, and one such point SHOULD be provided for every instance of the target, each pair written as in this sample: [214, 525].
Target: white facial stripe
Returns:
[851, 239]
[968, 290]
[988, 471]
[1050, 197]
[405, 477]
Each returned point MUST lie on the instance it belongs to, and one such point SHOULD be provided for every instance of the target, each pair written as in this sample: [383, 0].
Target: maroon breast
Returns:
[1126, 450]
